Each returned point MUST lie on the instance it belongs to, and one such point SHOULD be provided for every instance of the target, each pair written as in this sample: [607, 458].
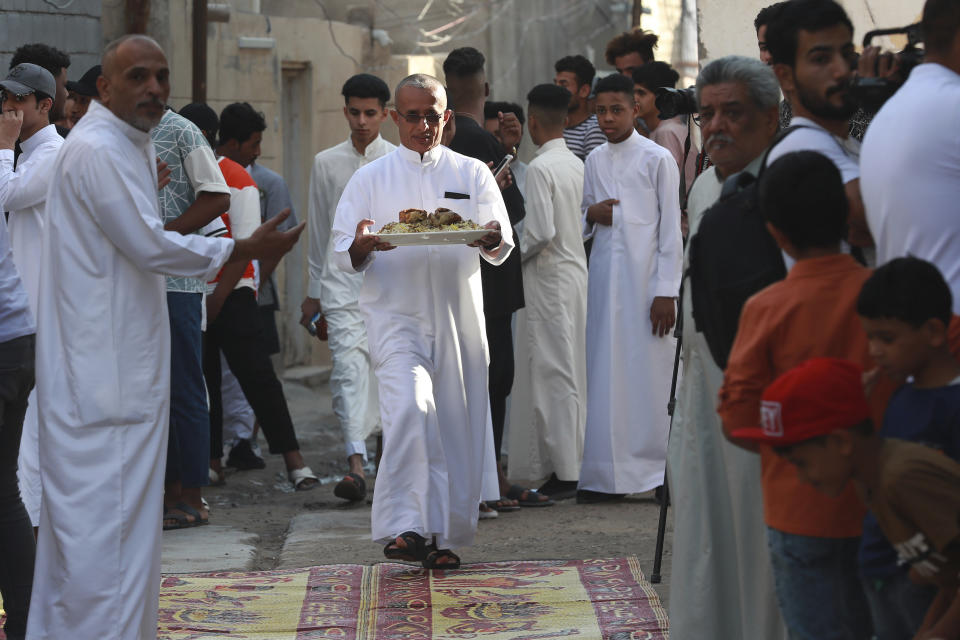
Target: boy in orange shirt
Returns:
[817, 417]
[813, 539]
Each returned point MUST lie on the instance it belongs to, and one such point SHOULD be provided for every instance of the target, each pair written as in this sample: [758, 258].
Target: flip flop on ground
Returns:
[303, 479]
[529, 497]
[182, 516]
[409, 546]
[441, 559]
[503, 504]
[487, 512]
[352, 487]
[558, 489]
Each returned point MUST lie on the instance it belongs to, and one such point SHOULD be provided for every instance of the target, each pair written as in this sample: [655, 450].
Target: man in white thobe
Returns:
[721, 586]
[423, 308]
[103, 358]
[29, 90]
[555, 289]
[632, 211]
[333, 292]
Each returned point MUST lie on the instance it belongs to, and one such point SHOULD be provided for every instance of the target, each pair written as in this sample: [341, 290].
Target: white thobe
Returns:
[552, 342]
[352, 382]
[721, 582]
[103, 383]
[637, 258]
[23, 194]
[423, 308]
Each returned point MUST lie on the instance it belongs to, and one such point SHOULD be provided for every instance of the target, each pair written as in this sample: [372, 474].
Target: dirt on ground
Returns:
[263, 502]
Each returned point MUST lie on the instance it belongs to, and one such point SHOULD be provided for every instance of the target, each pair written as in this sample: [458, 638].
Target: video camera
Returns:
[871, 93]
[674, 102]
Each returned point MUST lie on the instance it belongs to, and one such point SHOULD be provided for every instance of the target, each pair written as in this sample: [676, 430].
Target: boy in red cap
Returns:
[816, 416]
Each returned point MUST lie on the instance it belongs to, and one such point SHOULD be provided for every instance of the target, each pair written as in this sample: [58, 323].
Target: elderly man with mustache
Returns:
[720, 579]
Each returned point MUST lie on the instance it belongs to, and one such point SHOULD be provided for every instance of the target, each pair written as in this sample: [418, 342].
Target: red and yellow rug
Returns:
[597, 599]
[584, 599]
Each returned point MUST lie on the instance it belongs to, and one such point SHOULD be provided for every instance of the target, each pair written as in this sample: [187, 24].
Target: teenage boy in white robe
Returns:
[423, 308]
[632, 212]
[555, 289]
[103, 357]
[332, 292]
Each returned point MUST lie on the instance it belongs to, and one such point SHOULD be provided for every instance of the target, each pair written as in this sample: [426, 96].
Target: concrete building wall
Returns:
[313, 47]
[74, 29]
[726, 28]
[295, 82]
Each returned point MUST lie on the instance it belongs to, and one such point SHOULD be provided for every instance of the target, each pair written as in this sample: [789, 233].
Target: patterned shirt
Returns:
[181, 144]
[584, 137]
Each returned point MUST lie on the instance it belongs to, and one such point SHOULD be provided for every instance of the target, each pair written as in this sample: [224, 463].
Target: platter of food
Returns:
[417, 227]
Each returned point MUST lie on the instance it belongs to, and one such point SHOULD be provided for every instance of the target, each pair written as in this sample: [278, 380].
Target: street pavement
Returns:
[258, 522]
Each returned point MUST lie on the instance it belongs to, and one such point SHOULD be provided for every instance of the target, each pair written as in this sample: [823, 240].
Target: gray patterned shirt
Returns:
[181, 144]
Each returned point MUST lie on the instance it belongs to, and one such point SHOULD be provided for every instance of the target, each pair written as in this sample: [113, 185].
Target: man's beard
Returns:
[822, 108]
[573, 106]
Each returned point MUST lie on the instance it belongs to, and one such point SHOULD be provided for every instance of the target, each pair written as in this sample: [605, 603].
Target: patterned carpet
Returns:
[584, 599]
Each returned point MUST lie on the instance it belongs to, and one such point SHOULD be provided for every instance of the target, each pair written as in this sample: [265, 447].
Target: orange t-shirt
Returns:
[812, 313]
[244, 214]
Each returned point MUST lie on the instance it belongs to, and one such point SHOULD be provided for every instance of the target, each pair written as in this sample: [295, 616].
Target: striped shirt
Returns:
[584, 137]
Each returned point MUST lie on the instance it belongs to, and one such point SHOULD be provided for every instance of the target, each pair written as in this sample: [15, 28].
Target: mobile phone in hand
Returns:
[318, 326]
[502, 165]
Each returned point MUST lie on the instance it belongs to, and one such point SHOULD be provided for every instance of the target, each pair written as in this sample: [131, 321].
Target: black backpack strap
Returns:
[777, 139]
[736, 182]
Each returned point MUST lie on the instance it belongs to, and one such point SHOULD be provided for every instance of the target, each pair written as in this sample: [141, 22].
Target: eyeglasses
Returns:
[429, 118]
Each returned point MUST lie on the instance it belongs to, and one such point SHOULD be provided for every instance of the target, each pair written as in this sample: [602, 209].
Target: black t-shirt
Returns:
[502, 285]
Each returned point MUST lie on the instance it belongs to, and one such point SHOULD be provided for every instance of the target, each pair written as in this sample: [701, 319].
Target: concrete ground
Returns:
[258, 522]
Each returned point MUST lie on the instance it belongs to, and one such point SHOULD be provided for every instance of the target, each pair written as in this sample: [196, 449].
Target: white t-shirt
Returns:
[844, 153]
[911, 173]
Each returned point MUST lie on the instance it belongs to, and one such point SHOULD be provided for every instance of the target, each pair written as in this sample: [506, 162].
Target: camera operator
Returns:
[811, 45]
[911, 155]
[714, 484]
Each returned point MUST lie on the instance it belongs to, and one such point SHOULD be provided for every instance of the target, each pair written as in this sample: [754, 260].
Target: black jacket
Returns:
[502, 285]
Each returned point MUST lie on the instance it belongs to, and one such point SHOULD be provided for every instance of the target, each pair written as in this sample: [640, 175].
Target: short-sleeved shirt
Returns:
[930, 417]
[193, 168]
[917, 503]
[911, 173]
[584, 137]
[844, 153]
[243, 217]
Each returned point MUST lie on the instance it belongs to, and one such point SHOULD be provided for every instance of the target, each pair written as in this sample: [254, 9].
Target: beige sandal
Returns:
[303, 475]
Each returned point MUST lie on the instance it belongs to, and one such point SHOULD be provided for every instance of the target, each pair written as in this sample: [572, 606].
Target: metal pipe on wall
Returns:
[199, 92]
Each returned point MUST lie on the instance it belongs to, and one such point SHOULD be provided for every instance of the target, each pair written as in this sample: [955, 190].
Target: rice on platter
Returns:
[419, 221]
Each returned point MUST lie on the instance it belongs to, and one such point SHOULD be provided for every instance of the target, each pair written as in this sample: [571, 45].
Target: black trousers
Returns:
[16, 534]
[500, 373]
[238, 333]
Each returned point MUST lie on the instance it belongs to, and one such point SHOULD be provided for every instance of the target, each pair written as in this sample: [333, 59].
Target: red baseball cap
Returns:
[818, 397]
